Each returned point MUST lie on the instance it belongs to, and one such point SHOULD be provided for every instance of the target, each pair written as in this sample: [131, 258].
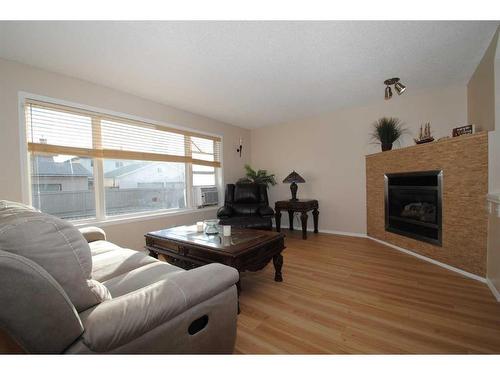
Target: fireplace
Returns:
[413, 205]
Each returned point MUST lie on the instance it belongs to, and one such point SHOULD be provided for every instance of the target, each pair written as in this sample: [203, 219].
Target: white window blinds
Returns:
[56, 129]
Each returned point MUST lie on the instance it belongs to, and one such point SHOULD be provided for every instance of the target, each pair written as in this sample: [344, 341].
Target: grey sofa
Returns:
[64, 290]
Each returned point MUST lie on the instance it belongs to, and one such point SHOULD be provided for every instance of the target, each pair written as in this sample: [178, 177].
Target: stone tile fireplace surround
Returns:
[464, 165]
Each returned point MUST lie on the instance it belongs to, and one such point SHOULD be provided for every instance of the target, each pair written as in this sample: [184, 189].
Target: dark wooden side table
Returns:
[302, 206]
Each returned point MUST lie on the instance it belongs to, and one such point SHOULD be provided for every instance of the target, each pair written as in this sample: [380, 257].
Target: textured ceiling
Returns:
[253, 74]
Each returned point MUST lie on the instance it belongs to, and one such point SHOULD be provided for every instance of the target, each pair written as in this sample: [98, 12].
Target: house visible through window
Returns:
[78, 158]
[47, 187]
[61, 186]
[138, 187]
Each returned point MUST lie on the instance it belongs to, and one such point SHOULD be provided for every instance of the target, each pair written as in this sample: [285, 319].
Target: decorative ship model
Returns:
[425, 134]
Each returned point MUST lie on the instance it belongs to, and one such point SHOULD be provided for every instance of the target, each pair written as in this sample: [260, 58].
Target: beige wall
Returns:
[329, 151]
[481, 91]
[15, 77]
[494, 159]
[483, 94]
[493, 267]
[493, 263]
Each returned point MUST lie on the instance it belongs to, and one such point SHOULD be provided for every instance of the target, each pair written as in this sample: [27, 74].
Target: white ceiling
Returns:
[253, 74]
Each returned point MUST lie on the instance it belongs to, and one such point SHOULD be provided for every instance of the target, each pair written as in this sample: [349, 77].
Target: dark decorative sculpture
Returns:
[294, 178]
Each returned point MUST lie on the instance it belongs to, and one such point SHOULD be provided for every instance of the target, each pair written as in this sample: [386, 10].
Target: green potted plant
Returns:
[387, 130]
[257, 177]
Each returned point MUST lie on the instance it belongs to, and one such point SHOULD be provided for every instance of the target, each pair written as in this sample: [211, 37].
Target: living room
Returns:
[250, 187]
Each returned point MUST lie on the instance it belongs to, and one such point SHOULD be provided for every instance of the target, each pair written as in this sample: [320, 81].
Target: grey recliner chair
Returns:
[68, 291]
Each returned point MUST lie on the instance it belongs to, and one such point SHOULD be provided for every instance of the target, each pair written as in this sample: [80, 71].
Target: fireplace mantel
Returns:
[464, 162]
[461, 141]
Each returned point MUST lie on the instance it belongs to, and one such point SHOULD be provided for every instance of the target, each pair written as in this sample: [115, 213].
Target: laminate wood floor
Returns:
[353, 295]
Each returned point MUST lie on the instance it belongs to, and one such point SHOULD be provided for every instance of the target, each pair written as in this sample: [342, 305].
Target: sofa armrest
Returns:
[225, 211]
[92, 234]
[266, 211]
[118, 321]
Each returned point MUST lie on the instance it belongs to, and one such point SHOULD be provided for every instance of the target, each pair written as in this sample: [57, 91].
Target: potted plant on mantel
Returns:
[387, 130]
[257, 177]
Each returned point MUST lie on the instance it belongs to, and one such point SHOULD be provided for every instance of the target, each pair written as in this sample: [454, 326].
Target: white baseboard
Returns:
[340, 233]
[494, 290]
[430, 260]
[337, 232]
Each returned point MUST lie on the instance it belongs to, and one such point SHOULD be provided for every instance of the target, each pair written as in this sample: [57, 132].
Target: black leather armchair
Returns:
[246, 206]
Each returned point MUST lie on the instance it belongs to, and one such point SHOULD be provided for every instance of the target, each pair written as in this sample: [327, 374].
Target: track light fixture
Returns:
[400, 88]
[388, 93]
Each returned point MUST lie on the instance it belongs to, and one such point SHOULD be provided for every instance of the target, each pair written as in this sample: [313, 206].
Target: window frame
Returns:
[193, 172]
[101, 218]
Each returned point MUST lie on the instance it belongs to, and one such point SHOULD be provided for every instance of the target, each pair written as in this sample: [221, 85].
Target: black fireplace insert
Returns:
[413, 205]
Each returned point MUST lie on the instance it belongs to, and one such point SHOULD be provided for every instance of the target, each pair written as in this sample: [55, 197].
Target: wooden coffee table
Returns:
[245, 249]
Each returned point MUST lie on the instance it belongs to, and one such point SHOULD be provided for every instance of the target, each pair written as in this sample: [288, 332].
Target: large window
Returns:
[90, 165]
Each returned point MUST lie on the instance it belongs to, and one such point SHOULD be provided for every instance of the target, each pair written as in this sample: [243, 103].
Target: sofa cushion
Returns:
[117, 261]
[139, 278]
[54, 244]
[121, 320]
[99, 247]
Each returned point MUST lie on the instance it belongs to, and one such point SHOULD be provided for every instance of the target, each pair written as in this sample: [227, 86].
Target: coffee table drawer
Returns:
[174, 248]
[164, 245]
[208, 257]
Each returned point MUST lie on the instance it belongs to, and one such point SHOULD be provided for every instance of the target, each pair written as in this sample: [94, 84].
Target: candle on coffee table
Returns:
[199, 226]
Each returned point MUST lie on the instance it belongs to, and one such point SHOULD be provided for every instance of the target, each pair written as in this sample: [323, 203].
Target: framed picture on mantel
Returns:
[463, 130]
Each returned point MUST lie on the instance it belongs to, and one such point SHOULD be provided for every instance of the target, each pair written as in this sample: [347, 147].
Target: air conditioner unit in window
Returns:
[205, 196]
